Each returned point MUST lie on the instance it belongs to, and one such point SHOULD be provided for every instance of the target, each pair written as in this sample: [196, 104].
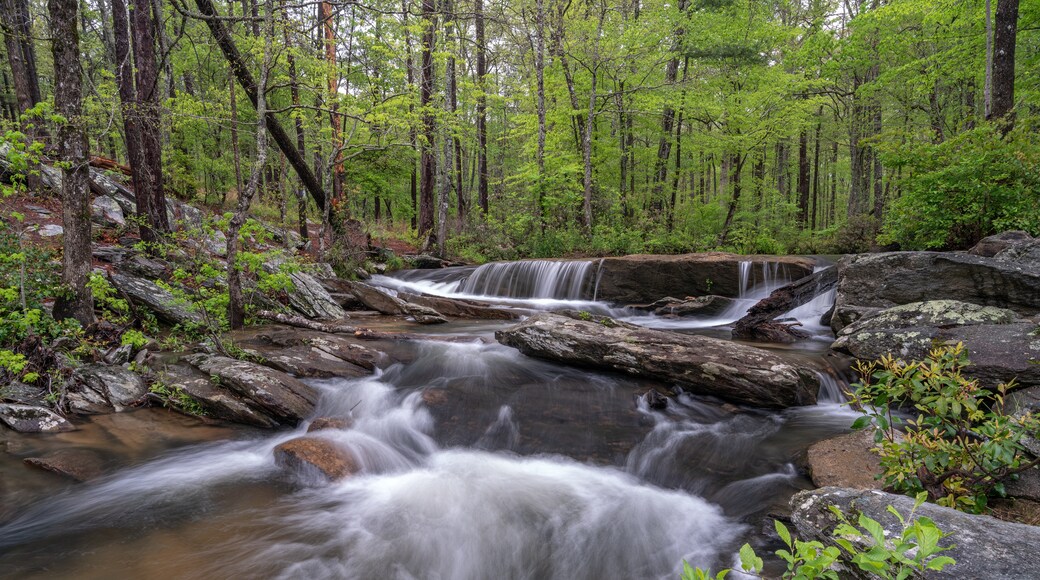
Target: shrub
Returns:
[961, 446]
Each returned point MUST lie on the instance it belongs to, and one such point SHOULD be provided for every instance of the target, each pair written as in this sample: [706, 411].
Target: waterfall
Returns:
[752, 285]
[565, 280]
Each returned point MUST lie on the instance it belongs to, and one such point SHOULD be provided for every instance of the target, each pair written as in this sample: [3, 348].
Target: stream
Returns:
[477, 462]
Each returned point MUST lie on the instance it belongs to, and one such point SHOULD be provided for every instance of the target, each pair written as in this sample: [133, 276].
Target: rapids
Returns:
[477, 462]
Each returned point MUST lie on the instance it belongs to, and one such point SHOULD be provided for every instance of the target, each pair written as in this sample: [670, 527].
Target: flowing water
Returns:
[477, 462]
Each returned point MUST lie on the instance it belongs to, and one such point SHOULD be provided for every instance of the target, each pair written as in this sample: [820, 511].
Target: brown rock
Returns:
[434, 397]
[845, 461]
[77, 464]
[313, 455]
[322, 423]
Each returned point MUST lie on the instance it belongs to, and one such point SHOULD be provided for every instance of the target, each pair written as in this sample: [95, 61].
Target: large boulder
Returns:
[869, 283]
[704, 365]
[315, 457]
[984, 547]
[992, 245]
[377, 299]
[309, 297]
[845, 461]
[29, 419]
[710, 305]
[149, 295]
[641, 279]
[1001, 345]
[283, 398]
[217, 401]
[309, 353]
[99, 388]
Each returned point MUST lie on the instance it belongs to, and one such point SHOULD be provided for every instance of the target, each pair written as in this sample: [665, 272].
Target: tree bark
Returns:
[539, 66]
[664, 145]
[245, 80]
[482, 168]
[1003, 90]
[72, 149]
[146, 80]
[428, 162]
[803, 178]
[586, 141]
[17, 27]
[301, 144]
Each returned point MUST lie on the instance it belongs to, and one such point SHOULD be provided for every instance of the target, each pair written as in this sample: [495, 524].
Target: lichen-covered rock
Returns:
[148, 294]
[870, 283]
[29, 419]
[316, 458]
[424, 314]
[103, 389]
[217, 401]
[377, 299]
[707, 366]
[985, 547]
[309, 298]
[283, 398]
[309, 353]
[106, 212]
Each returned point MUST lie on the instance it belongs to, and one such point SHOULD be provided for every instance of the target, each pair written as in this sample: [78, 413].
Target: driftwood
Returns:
[760, 324]
[109, 165]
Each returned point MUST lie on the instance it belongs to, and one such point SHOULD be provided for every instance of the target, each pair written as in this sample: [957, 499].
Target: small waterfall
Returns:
[565, 280]
[599, 276]
[752, 285]
[832, 390]
[745, 278]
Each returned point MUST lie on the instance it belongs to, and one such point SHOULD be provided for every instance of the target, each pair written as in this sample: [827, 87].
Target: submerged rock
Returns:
[29, 419]
[77, 464]
[315, 456]
[985, 547]
[707, 366]
[282, 398]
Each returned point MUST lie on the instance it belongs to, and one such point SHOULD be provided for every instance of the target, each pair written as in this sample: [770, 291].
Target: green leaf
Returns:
[861, 422]
[940, 562]
[782, 530]
[749, 561]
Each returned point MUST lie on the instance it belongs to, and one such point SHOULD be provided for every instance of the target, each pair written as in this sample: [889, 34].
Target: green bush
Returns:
[961, 447]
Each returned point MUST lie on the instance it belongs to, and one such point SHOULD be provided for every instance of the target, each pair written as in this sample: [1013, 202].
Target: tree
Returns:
[72, 148]
[1003, 66]
[428, 161]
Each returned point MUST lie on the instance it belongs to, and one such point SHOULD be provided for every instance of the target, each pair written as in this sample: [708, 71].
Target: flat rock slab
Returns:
[706, 366]
[314, 456]
[219, 402]
[77, 464]
[985, 546]
[283, 398]
[845, 461]
[30, 419]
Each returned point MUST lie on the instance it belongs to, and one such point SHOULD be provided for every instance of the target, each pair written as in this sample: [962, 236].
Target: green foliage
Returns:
[961, 447]
[107, 299]
[134, 338]
[860, 546]
[177, 398]
[965, 188]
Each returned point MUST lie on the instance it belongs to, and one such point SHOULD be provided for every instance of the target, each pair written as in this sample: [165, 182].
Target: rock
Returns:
[1000, 345]
[707, 366]
[50, 230]
[283, 398]
[322, 423]
[424, 314]
[29, 419]
[710, 305]
[39, 210]
[78, 464]
[655, 400]
[316, 457]
[1027, 486]
[215, 243]
[98, 389]
[992, 245]
[151, 296]
[985, 546]
[308, 353]
[457, 308]
[845, 461]
[425, 262]
[119, 355]
[309, 298]
[869, 283]
[1027, 253]
[642, 279]
[23, 394]
[377, 299]
[106, 212]
[761, 321]
[219, 402]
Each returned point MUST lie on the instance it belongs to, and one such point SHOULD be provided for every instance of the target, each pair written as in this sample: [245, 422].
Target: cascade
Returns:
[565, 280]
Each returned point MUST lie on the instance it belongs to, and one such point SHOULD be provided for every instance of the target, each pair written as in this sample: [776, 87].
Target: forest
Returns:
[538, 128]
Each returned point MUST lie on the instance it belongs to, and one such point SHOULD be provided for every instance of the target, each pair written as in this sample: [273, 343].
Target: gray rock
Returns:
[99, 389]
[50, 230]
[992, 245]
[985, 546]
[458, 308]
[283, 398]
[149, 295]
[707, 366]
[218, 401]
[377, 299]
[710, 305]
[869, 283]
[308, 353]
[644, 279]
[309, 298]
[424, 314]
[22, 394]
[106, 212]
[29, 419]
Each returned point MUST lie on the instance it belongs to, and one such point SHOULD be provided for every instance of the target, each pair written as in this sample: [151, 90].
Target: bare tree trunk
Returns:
[738, 165]
[301, 145]
[586, 141]
[413, 136]
[664, 146]
[816, 171]
[428, 162]
[15, 23]
[987, 88]
[482, 168]
[236, 302]
[235, 154]
[72, 148]
[447, 141]
[539, 66]
[803, 178]
[146, 79]
[332, 79]
[1003, 90]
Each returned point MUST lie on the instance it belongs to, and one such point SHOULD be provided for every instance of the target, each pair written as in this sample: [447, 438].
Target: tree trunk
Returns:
[72, 149]
[413, 137]
[146, 80]
[17, 28]
[236, 302]
[482, 168]
[803, 178]
[539, 66]
[664, 145]
[235, 154]
[737, 164]
[446, 141]
[245, 80]
[590, 121]
[1003, 89]
[428, 162]
[301, 144]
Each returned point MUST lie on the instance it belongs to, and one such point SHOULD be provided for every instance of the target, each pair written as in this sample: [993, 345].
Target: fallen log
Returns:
[357, 332]
[760, 322]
